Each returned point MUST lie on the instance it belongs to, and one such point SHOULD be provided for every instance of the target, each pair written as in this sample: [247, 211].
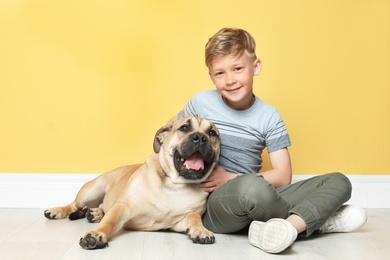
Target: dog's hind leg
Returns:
[90, 195]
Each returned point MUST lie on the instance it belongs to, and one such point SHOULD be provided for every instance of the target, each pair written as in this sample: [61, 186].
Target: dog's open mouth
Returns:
[193, 167]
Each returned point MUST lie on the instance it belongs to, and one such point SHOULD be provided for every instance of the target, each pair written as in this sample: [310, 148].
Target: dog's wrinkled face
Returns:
[188, 149]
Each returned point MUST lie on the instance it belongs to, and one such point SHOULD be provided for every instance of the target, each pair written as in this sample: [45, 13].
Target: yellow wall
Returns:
[84, 85]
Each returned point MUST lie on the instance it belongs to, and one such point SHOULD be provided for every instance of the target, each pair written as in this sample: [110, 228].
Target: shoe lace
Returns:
[333, 222]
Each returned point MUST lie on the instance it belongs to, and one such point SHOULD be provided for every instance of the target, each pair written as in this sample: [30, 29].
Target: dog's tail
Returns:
[78, 214]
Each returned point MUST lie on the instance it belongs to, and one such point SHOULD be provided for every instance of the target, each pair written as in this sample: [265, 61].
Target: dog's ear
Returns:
[158, 139]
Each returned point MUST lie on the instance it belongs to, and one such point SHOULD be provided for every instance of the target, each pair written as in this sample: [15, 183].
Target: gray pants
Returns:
[235, 204]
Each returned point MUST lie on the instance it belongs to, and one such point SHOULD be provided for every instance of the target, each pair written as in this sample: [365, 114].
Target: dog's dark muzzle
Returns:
[194, 157]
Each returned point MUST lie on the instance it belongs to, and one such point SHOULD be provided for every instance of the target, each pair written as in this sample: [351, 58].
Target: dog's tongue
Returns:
[195, 162]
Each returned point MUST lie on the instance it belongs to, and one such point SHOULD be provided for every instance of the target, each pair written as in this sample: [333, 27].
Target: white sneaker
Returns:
[272, 236]
[346, 219]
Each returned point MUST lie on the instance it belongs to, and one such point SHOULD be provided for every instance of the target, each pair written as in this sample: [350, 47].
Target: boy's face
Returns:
[233, 78]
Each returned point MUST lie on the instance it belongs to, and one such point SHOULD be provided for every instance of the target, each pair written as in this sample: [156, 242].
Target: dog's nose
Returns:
[197, 137]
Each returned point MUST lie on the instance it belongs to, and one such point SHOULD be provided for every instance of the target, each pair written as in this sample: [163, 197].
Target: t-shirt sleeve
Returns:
[277, 136]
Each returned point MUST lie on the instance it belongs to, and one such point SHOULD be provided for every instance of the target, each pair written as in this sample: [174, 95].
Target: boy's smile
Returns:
[233, 77]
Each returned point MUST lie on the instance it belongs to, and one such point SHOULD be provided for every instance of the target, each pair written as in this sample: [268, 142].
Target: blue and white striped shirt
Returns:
[244, 133]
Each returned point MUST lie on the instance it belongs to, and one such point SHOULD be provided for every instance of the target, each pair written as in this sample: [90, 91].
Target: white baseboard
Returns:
[368, 191]
[49, 190]
[40, 190]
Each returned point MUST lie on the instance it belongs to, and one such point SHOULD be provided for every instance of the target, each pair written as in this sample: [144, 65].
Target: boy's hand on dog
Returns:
[218, 177]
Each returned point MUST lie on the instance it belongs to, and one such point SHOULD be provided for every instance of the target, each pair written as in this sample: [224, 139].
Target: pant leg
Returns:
[235, 204]
[317, 198]
[249, 197]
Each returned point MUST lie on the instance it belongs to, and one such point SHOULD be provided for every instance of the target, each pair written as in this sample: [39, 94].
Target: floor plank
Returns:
[27, 234]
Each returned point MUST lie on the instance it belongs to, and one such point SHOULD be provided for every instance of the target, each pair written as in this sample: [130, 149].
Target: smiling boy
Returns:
[240, 194]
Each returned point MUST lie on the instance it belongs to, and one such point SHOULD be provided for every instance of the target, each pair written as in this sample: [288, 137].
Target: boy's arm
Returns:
[278, 176]
[281, 172]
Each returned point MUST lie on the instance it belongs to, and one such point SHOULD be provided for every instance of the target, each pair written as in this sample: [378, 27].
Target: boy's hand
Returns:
[218, 177]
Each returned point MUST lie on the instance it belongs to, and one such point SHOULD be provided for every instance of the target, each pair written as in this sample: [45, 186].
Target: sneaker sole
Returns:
[274, 236]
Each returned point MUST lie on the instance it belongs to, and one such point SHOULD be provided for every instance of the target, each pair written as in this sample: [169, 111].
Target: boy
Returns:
[241, 195]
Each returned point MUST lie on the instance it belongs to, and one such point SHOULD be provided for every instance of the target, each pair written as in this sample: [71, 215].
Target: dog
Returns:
[162, 193]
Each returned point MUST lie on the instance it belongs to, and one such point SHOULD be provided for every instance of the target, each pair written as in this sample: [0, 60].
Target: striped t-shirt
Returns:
[244, 133]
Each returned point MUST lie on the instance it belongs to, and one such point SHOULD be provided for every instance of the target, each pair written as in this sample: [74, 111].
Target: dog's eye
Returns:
[212, 132]
[184, 128]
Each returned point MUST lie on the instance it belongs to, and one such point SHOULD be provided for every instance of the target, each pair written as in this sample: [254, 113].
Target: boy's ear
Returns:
[257, 67]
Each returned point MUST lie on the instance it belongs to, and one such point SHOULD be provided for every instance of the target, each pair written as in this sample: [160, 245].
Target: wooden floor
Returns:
[27, 234]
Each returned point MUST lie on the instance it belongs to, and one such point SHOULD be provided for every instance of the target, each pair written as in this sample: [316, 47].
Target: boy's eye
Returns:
[218, 74]
[238, 68]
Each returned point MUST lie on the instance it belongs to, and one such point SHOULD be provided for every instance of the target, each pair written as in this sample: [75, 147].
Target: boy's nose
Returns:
[230, 80]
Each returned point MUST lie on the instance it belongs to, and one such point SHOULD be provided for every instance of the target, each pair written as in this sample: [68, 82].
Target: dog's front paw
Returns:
[55, 213]
[93, 240]
[201, 235]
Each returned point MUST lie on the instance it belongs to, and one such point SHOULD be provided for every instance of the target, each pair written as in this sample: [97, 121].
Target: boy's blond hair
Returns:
[230, 41]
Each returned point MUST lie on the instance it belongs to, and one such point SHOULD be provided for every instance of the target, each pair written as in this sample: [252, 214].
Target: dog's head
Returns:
[188, 149]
